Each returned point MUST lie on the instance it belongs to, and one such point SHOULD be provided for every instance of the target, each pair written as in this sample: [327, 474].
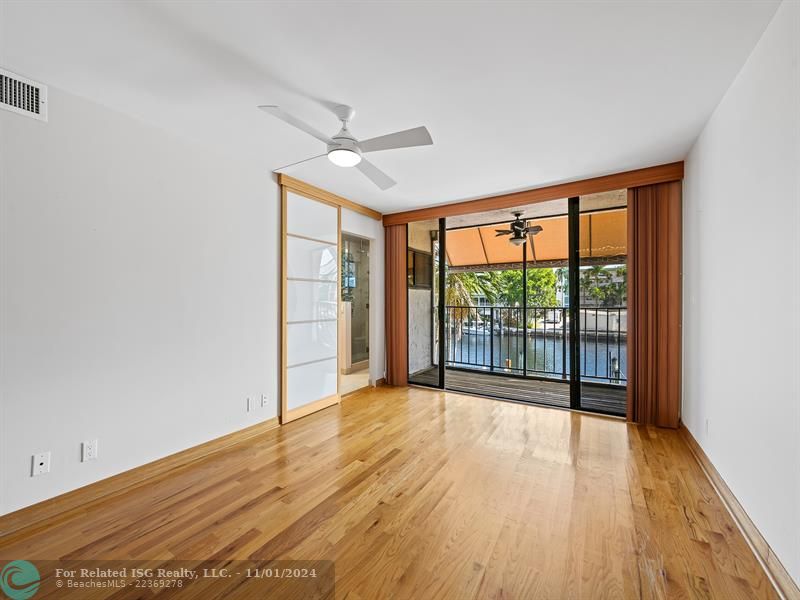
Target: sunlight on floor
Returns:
[354, 381]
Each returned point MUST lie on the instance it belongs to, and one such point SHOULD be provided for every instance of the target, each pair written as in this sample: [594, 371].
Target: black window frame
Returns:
[413, 273]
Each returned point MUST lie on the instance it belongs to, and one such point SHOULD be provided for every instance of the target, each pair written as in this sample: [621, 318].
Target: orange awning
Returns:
[602, 235]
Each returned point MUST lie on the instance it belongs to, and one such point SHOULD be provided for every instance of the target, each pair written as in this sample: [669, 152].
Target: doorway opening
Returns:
[354, 320]
[530, 303]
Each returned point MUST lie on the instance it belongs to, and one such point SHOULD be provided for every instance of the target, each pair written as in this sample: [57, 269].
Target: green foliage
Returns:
[500, 288]
[607, 286]
[462, 286]
[541, 287]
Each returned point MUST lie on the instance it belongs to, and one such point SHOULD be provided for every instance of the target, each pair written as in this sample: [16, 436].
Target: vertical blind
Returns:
[396, 276]
[654, 304]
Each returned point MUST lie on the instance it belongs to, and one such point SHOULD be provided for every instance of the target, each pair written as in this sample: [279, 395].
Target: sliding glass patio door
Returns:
[536, 316]
[600, 271]
[426, 296]
[506, 319]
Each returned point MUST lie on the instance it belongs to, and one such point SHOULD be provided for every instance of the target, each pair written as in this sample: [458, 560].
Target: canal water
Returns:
[602, 358]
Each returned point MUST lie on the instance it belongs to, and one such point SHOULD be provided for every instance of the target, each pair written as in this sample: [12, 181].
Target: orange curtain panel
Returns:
[654, 304]
[396, 305]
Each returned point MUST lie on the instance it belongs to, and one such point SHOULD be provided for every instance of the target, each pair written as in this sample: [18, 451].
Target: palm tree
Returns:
[461, 287]
[594, 278]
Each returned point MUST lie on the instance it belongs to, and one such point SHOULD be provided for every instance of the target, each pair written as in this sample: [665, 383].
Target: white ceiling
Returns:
[515, 94]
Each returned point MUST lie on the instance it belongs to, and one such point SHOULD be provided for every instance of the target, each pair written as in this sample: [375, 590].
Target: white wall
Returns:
[741, 396]
[138, 295]
[420, 329]
[420, 313]
[366, 227]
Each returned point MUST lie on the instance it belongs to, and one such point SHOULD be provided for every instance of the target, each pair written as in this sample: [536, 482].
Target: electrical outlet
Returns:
[264, 401]
[40, 464]
[706, 426]
[89, 450]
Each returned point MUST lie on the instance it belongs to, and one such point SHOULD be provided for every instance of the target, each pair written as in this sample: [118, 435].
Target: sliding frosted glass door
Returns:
[310, 305]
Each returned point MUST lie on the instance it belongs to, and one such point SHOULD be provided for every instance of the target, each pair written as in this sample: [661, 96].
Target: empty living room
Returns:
[398, 300]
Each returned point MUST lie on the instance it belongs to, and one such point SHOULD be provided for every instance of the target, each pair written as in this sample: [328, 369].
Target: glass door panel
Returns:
[354, 317]
[355, 295]
[507, 332]
[423, 278]
[310, 306]
[602, 302]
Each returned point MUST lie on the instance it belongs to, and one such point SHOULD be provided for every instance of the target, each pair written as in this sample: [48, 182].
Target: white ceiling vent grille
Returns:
[23, 96]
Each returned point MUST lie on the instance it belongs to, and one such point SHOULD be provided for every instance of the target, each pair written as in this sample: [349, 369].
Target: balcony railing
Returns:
[495, 339]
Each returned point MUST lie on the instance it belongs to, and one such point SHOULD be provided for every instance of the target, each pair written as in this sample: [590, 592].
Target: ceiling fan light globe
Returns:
[343, 157]
[517, 241]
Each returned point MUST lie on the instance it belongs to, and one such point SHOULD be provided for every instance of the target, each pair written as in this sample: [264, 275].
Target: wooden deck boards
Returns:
[596, 397]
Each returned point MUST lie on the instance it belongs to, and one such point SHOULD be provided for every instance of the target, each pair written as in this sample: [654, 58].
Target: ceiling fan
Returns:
[519, 230]
[344, 150]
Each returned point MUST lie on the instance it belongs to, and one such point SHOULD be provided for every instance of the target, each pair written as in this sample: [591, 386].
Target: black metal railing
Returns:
[535, 341]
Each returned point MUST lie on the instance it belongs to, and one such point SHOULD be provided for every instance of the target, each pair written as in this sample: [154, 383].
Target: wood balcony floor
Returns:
[595, 397]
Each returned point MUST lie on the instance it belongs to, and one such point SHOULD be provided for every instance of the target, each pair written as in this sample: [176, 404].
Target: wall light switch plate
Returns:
[249, 404]
[89, 450]
[40, 464]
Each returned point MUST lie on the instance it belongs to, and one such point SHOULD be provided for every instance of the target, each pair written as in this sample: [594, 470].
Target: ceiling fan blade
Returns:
[499, 232]
[418, 136]
[276, 111]
[297, 163]
[374, 174]
[534, 230]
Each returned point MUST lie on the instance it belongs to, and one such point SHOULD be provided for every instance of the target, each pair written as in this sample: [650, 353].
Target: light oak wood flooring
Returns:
[423, 494]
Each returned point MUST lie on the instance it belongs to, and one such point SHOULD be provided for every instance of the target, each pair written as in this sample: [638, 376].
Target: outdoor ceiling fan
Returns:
[519, 230]
[344, 150]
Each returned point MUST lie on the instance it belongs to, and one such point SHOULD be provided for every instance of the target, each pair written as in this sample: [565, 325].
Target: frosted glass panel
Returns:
[310, 260]
[309, 383]
[310, 341]
[310, 300]
[312, 296]
[312, 219]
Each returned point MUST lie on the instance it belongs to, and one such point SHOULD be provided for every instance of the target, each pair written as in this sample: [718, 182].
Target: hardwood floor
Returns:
[423, 494]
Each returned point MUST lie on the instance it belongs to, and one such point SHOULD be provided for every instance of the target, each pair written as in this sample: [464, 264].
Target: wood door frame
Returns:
[314, 193]
[606, 183]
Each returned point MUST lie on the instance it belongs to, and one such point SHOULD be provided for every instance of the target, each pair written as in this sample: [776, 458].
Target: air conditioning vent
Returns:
[23, 96]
